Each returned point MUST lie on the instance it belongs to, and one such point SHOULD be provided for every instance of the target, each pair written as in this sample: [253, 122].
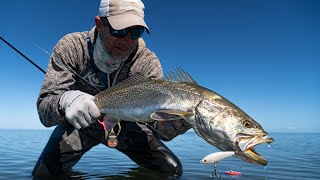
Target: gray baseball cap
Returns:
[123, 13]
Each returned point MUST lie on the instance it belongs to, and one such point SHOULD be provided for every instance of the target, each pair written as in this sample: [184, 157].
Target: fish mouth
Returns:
[248, 152]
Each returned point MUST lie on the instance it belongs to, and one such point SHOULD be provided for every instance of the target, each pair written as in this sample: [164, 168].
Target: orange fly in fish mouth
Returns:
[250, 155]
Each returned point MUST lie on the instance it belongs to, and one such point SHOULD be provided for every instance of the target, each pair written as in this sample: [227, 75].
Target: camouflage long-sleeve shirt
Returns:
[71, 56]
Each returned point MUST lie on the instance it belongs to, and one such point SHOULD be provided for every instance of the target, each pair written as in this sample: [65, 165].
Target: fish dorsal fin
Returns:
[179, 75]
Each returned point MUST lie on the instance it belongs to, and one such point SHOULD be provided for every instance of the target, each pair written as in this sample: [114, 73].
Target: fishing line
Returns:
[34, 64]
[38, 67]
[33, 42]
[42, 49]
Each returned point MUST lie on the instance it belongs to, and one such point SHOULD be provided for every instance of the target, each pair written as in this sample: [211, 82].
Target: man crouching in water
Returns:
[110, 52]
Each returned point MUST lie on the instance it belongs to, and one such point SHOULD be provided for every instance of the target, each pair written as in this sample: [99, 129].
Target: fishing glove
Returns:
[167, 130]
[79, 108]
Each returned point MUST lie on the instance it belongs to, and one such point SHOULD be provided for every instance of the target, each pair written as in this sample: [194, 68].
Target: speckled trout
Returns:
[178, 96]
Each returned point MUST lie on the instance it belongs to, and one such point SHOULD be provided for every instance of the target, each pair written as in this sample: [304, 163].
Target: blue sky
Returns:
[262, 55]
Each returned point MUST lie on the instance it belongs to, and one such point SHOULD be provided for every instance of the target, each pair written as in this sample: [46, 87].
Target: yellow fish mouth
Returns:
[250, 155]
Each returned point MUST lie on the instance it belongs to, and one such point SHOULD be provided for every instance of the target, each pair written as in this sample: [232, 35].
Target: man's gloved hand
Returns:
[167, 130]
[79, 108]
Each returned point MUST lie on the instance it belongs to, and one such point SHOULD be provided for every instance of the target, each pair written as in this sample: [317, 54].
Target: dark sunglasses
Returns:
[134, 32]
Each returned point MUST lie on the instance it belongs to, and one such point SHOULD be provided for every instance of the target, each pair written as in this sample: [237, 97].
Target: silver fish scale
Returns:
[137, 102]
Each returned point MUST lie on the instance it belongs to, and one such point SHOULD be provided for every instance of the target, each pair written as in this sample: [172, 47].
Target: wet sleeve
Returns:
[59, 78]
[167, 130]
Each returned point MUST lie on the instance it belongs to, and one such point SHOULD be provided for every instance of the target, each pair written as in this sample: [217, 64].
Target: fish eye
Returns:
[247, 124]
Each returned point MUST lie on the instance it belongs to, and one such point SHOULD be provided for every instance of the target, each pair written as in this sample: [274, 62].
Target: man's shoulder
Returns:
[146, 62]
[72, 48]
[73, 42]
[75, 36]
[79, 37]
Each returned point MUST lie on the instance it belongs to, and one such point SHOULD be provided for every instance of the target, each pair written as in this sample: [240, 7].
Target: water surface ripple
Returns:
[291, 156]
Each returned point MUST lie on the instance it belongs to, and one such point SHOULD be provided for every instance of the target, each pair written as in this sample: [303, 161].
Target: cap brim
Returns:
[126, 20]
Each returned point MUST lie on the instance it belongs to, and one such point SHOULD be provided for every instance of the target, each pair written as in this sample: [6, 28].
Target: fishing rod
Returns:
[38, 67]
[28, 59]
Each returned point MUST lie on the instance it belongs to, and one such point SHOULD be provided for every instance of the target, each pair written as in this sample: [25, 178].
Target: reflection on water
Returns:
[292, 156]
[131, 173]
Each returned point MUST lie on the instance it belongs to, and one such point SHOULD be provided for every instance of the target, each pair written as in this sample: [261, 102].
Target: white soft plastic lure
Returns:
[214, 158]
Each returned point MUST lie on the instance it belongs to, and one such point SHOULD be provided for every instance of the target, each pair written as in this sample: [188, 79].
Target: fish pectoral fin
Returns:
[169, 115]
[162, 116]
